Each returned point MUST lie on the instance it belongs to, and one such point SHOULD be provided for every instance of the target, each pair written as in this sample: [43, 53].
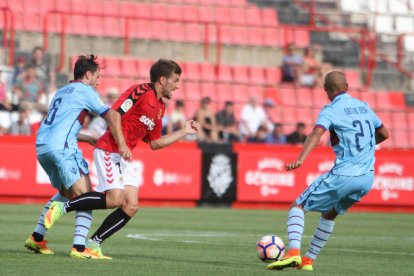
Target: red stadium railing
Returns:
[372, 53]
[8, 16]
[288, 31]
[63, 15]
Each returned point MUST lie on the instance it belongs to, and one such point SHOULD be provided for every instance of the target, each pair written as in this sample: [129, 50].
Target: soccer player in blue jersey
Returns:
[355, 130]
[58, 152]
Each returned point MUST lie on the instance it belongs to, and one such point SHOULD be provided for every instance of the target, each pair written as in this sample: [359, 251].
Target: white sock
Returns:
[295, 226]
[320, 237]
[83, 222]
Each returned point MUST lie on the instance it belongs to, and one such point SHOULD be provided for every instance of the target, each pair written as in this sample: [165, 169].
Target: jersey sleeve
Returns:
[324, 119]
[94, 103]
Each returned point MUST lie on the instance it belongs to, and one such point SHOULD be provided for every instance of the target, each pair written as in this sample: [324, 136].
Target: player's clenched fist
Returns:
[191, 127]
[293, 165]
[125, 152]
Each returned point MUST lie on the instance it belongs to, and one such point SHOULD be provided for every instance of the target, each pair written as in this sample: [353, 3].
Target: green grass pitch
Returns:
[208, 241]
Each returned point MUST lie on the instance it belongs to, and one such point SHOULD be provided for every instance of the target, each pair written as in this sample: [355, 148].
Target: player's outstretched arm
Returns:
[190, 127]
[381, 134]
[311, 141]
[113, 118]
[87, 139]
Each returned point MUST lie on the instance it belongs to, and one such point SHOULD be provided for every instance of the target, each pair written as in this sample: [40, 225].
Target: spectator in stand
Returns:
[28, 89]
[3, 130]
[44, 73]
[98, 125]
[268, 106]
[177, 117]
[311, 70]
[260, 136]
[291, 64]
[226, 123]
[19, 69]
[21, 126]
[207, 121]
[277, 136]
[35, 126]
[252, 116]
[4, 100]
[298, 136]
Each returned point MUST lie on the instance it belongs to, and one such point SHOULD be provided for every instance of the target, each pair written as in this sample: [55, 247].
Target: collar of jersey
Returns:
[155, 92]
[338, 96]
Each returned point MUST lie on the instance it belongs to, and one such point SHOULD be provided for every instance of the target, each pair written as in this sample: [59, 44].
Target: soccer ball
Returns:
[270, 248]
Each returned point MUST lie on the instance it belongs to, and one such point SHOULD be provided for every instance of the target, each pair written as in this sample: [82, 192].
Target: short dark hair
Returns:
[300, 124]
[164, 68]
[84, 64]
[37, 48]
[179, 103]
[228, 103]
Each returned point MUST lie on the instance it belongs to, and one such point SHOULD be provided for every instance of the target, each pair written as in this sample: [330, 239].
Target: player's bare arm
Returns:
[190, 127]
[381, 134]
[87, 139]
[113, 119]
[311, 141]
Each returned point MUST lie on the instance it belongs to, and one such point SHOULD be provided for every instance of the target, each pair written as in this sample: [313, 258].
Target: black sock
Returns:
[37, 237]
[79, 247]
[87, 201]
[114, 222]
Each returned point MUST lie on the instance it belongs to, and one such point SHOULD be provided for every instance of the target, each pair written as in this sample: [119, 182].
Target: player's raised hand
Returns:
[191, 127]
[293, 165]
[125, 153]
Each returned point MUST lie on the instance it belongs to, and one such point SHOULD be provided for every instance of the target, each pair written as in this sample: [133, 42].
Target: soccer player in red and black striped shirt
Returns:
[141, 108]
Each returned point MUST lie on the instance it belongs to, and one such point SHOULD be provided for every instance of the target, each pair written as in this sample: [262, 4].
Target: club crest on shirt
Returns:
[101, 102]
[127, 105]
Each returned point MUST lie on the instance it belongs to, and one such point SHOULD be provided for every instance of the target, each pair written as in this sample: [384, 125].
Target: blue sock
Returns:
[295, 226]
[83, 221]
[40, 229]
[321, 236]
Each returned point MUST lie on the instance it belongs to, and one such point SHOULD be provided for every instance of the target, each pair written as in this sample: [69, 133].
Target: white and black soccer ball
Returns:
[270, 248]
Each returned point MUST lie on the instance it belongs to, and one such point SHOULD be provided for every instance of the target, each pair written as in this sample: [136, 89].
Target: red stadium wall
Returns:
[164, 175]
[262, 178]
[174, 174]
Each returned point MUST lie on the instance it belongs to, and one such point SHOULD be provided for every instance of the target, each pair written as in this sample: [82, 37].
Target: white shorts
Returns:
[113, 171]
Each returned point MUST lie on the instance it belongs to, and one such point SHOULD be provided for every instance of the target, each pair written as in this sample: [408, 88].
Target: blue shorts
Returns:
[331, 191]
[64, 167]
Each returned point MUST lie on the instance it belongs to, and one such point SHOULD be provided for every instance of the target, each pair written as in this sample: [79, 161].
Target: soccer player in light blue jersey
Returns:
[355, 130]
[58, 152]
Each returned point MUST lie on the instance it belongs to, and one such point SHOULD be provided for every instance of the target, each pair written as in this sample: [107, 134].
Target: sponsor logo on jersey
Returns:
[127, 105]
[101, 102]
[148, 122]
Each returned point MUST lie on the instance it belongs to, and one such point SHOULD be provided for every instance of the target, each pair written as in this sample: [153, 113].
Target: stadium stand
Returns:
[257, 34]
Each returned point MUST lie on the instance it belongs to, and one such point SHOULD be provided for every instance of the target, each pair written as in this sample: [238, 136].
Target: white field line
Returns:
[373, 252]
[187, 234]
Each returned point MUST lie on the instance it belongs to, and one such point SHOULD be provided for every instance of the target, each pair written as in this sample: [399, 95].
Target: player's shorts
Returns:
[331, 191]
[113, 171]
[64, 167]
